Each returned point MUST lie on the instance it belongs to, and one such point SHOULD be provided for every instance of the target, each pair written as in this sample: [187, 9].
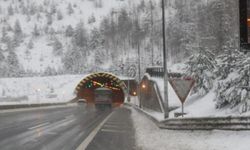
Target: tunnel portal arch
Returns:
[103, 79]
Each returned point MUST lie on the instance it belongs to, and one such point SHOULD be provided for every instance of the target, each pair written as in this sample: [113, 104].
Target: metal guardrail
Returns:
[155, 71]
[3, 107]
[207, 123]
[159, 72]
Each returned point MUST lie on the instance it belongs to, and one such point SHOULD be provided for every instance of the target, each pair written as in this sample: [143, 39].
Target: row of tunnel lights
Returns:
[95, 83]
[91, 83]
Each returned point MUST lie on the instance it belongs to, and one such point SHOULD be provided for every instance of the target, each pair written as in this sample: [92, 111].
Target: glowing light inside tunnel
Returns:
[86, 87]
[92, 83]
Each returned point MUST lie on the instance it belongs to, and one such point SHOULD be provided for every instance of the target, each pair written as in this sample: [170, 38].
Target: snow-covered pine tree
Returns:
[10, 10]
[2, 57]
[201, 66]
[228, 61]
[13, 65]
[18, 33]
[17, 28]
[5, 37]
[49, 18]
[80, 35]
[70, 9]
[53, 9]
[49, 71]
[72, 60]
[30, 44]
[59, 15]
[96, 39]
[36, 32]
[234, 89]
[91, 19]
[57, 47]
[69, 31]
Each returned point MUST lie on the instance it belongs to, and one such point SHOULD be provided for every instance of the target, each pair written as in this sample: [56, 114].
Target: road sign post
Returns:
[182, 87]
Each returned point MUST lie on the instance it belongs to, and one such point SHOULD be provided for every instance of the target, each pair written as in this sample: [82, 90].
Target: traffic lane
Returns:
[16, 115]
[13, 123]
[64, 133]
[117, 133]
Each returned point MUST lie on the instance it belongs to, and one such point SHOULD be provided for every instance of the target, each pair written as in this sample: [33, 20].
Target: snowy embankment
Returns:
[149, 136]
[33, 90]
[195, 106]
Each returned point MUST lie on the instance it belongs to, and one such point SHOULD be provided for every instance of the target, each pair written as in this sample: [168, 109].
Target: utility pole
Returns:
[166, 114]
[139, 75]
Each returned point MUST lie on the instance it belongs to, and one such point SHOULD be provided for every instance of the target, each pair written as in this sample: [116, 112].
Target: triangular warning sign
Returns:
[182, 87]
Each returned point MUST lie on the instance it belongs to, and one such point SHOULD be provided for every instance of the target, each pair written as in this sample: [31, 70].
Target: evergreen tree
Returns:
[5, 37]
[10, 11]
[69, 31]
[30, 44]
[59, 15]
[124, 24]
[17, 28]
[49, 19]
[53, 9]
[80, 35]
[201, 67]
[96, 39]
[13, 65]
[2, 57]
[70, 9]
[229, 60]
[234, 90]
[27, 55]
[36, 32]
[2, 64]
[91, 19]
[73, 61]
[49, 71]
[57, 47]
[17, 33]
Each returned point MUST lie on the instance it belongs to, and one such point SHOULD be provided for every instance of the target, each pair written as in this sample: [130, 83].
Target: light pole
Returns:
[139, 74]
[166, 114]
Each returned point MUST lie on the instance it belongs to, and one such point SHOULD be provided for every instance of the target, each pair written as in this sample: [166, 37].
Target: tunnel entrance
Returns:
[85, 89]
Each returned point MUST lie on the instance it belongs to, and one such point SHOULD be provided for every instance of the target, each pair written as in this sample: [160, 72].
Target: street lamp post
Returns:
[139, 74]
[166, 114]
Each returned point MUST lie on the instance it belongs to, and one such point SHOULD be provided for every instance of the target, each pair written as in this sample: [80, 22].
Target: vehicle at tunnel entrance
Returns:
[86, 88]
[103, 98]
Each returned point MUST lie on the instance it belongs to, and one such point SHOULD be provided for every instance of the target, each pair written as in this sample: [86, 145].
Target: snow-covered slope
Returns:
[49, 16]
[38, 89]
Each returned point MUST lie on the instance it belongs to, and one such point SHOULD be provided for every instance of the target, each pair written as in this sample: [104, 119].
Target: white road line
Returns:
[40, 125]
[91, 136]
[112, 130]
[111, 126]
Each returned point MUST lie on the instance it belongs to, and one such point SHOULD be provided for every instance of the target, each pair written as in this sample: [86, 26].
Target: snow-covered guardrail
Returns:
[207, 123]
[3, 107]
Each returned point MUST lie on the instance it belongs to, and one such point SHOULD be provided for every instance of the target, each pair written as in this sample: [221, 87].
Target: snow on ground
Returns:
[150, 137]
[53, 89]
[32, 90]
[41, 56]
[195, 106]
